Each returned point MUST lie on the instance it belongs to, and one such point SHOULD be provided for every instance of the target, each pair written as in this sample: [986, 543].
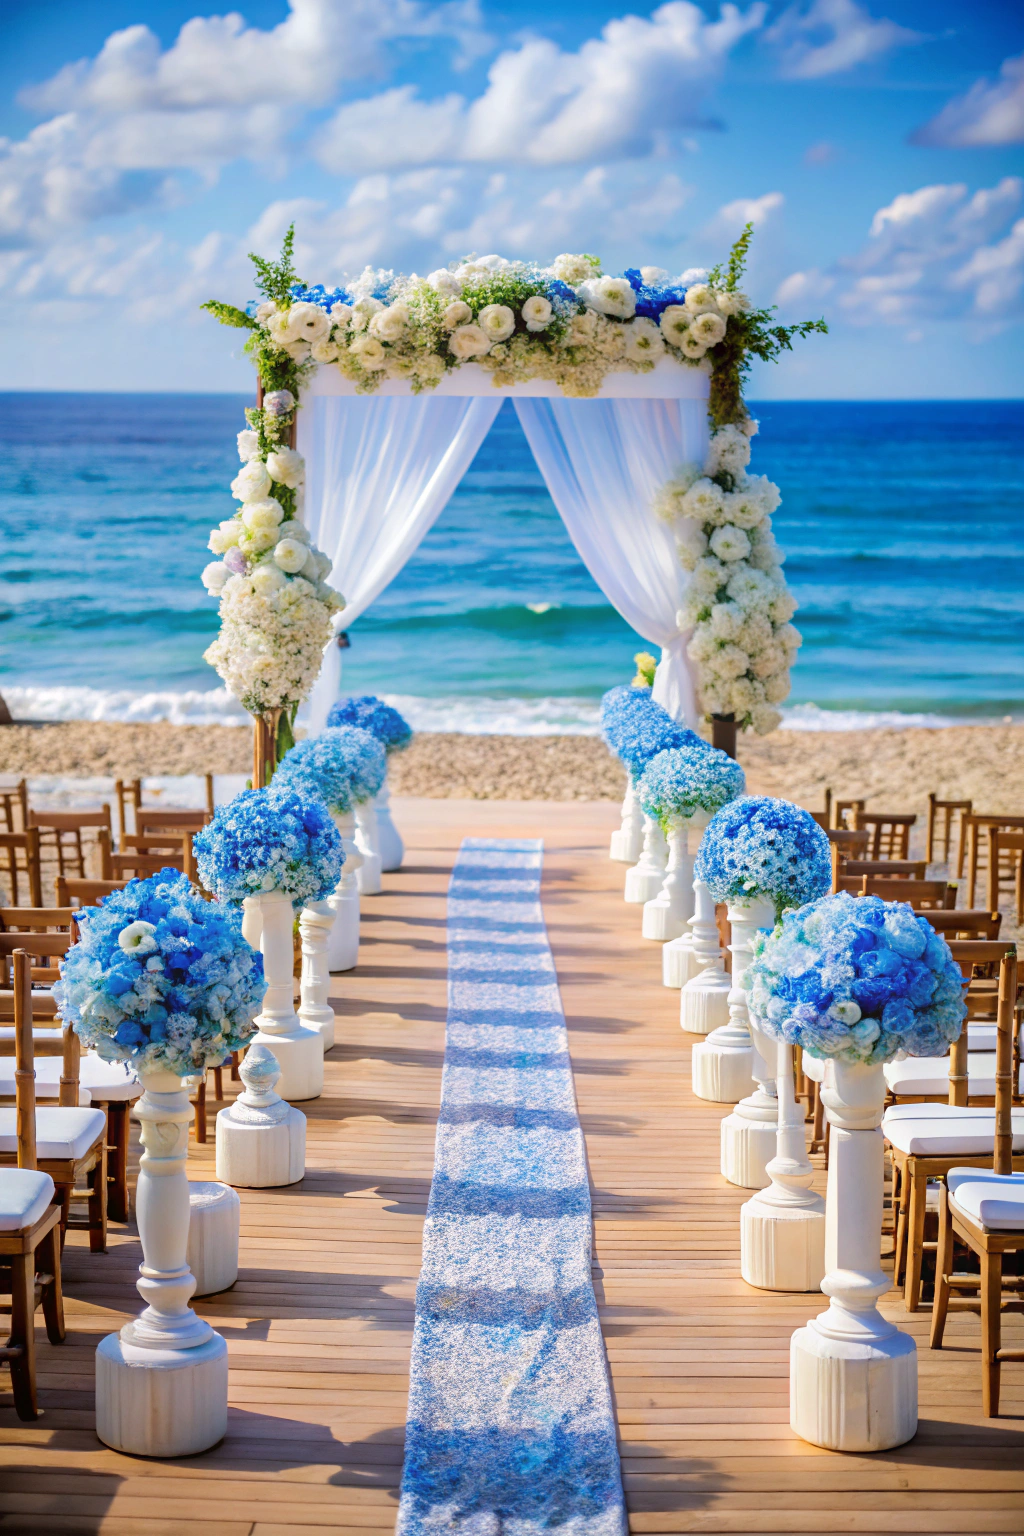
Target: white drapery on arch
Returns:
[381, 468]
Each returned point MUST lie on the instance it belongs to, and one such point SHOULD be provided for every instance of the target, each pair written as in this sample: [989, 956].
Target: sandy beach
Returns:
[891, 769]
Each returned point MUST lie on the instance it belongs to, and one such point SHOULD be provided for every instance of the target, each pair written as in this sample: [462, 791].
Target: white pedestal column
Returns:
[723, 1063]
[213, 1226]
[299, 1051]
[389, 839]
[782, 1228]
[704, 1001]
[853, 1376]
[261, 1140]
[316, 922]
[367, 834]
[644, 880]
[749, 1134]
[162, 1382]
[343, 938]
[628, 840]
[667, 914]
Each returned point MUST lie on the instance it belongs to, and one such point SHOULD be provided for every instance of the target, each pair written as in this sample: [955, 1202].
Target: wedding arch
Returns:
[373, 399]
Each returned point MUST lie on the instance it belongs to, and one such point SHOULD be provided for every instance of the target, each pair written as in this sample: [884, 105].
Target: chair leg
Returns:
[899, 1208]
[98, 1205]
[118, 1135]
[52, 1297]
[818, 1128]
[218, 1084]
[918, 1192]
[991, 1329]
[23, 1334]
[235, 1059]
[943, 1269]
[201, 1109]
[828, 1140]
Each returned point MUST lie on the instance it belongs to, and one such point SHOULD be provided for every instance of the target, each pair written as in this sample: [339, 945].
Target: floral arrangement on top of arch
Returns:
[568, 322]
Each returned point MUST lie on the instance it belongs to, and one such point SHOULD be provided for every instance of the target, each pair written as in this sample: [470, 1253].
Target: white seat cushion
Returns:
[942, 1130]
[981, 1037]
[930, 1074]
[993, 1200]
[60, 1133]
[48, 1070]
[25, 1194]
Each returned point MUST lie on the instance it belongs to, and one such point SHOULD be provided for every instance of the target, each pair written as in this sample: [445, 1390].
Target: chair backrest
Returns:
[824, 818]
[844, 809]
[150, 822]
[845, 845]
[977, 924]
[1007, 1062]
[889, 869]
[937, 836]
[35, 919]
[44, 948]
[27, 844]
[974, 843]
[70, 821]
[127, 795]
[921, 894]
[24, 1062]
[138, 865]
[889, 832]
[84, 893]
[14, 796]
[1005, 855]
[27, 1041]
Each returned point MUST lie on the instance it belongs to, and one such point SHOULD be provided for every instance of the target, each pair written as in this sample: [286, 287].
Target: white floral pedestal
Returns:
[316, 923]
[667, 914]
[343, 938]
[853, 1376]
[627, 840]
[299, 1051]
[389, 839]
[162, 1382]
[261, 1140]
[722, 1064]
[704, 1000]
[750, 1133]
[367, 841]
[782, 1228]
[645, 878]
[213, 1226]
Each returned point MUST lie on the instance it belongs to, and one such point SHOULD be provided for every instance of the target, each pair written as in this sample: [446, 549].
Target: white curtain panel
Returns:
[604, 461]
[379, 471]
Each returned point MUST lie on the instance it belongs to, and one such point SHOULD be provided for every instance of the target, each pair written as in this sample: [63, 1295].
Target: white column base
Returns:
[660, 922]
[848, 1395]
[749, 1140]
[214, 1218]
[261, 1156]
[678, 962]
[722, 1066]
[642, 885]
[389, 839]
[369, 874]
[161, 1402]
[300, 1055]
[625, 846]
[704, 1003]
[343, 939]
[782, 1247]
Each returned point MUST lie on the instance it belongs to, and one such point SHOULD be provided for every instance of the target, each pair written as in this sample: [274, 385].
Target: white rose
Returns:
[699, 298]
[537, 312]
[137, 938]
[389, 324]
[369, 352]
[252, 481]
[224, 536]
[691, 346]
[311, 566]
[610, 296]
[290, 555]
[675, 323]
[308, 322]
[708, 575]
[573, 270]
[643, 341]
[278, 328]
[708, 328]
[457, 314]
[293, 529]
[742, 509]
[248, 445]
[261, 516]
[256, 541]
[443, 281]
[732, 303]
[703, 501]
[324, 351]
[265, 310]
[496, 321]
[468, 341]
[268, 579]
[287, 467]
[214, 576]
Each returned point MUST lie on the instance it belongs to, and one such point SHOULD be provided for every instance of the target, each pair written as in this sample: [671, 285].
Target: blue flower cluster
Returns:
[617, 706]
[343, 766]
[161, 977]
[758, 846]
[678, 784]
[859, 979]
[270, 840]
[651, 302]
[373, 715]
[318, 294]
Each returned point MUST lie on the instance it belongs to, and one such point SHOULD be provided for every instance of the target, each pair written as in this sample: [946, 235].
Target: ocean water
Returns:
[901, 522]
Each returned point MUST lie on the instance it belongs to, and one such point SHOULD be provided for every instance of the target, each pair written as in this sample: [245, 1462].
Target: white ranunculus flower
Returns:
[708, 575]
[389, 324]
[225, 535]
[287, 467]
[703, 501]
[298, 351]
[252, 481]
[765, 553]
[457, 313]
[675, 324]
[265, 310]
[293, 529]
[248, 444]
[700, 298]
[691, 345]
[742, 509]
[308, 322]
[341, 314]
[268, 579]
[732, 302]
[278, 328]
[708, 328]
[468, 341]
[443, 281]
[609, 296]
[766, 491]
[536, 312]
[644, 342]
[214, 576]
[260, 515]
[573, 270]
[753, 590]
[653, 276]
[496, 321]
[290, 555]
[324, 351]
[369, 353]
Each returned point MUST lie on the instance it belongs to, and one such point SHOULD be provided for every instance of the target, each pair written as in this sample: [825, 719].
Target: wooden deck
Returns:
[319, 1323]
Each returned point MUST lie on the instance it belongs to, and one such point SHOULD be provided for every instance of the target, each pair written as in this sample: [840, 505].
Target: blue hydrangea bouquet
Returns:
[759, 847]
[270, 840]
[343, 766]
[161, 978]
[687, 785]
[372, 714]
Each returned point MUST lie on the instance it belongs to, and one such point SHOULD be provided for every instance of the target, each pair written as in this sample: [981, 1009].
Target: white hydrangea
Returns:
[704, 501]
[726, 622]
[764, 719]
[573, 270]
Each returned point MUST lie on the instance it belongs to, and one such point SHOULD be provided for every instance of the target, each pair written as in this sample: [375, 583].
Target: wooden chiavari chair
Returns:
[150, 859]
[844, 813]
[922, 895]
[84, 893]
[130, 808]
[889, 833]
[974, 833]
[824, 818]
[27, 845]
[965, 924]
[938, 836]
[62, 831]
[1005, 865]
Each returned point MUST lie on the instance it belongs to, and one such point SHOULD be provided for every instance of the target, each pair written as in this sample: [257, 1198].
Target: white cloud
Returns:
[990, 113]
[938, 253]
[831, 36]
[619, 95]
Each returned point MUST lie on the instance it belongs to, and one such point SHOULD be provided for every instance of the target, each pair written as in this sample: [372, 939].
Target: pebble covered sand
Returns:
[892, 769]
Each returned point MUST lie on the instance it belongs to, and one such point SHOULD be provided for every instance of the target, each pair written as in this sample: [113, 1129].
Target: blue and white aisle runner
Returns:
[510, 1427]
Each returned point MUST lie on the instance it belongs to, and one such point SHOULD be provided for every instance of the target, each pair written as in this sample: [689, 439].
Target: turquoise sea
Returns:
[902, 524]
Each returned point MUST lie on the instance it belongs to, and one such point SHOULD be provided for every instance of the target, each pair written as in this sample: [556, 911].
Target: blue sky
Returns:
[879, 148]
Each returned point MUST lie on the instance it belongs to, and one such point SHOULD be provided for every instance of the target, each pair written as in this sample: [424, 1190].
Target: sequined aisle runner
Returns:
[510, 1425]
